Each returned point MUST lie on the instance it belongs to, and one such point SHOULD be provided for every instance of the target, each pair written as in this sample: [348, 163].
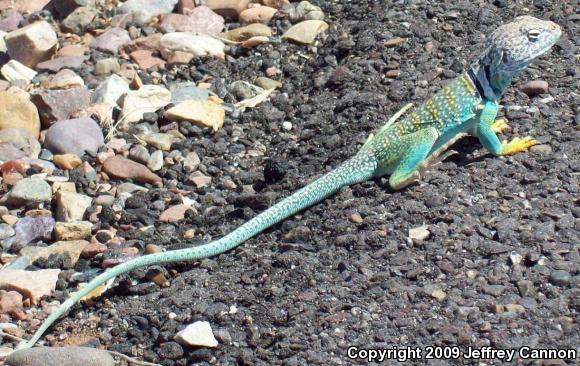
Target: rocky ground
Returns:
[120, 136]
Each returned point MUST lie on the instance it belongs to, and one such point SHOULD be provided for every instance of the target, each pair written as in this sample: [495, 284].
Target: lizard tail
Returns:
[359, 168]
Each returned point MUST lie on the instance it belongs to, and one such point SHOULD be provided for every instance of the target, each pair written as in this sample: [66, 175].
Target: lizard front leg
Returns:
[488, 138]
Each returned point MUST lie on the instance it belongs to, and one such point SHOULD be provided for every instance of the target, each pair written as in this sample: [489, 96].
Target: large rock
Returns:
[61, 356]
[29, 6]
[144, 10]
[56, 105]
[74, 136]
[148, 98]
[123, 168]
[17, 112]
[63, 8]
[17, 143]
[32, 44]
[28, 229]
[71, 206]
[68, 62]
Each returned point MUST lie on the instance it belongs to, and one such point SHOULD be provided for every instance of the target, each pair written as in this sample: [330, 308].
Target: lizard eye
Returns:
[533, 35]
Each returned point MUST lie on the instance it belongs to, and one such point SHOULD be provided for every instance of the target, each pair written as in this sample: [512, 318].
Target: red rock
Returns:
[111, 40]
[123, 168]
[151, 43]
[93, 249]
[145, 59]
[175, 213]
[12, 166]
[32, 44]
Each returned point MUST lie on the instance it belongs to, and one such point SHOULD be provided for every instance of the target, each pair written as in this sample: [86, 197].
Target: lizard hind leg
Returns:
[415, 149]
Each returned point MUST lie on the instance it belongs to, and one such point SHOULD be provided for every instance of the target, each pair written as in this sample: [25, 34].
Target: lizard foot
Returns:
[414, 177]
[517, 145]
[500, 126]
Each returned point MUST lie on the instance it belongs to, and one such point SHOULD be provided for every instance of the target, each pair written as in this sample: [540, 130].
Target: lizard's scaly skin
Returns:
[401, 148]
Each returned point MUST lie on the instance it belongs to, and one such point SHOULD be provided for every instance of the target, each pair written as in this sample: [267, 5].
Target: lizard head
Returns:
[513, 46]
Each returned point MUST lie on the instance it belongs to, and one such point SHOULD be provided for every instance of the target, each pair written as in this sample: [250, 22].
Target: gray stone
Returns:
[74, 136]
[6, 231]
[139, 153]
[144, 10]
[79, 19]
[62, 356]
[30, 191]
[186, 91]
[17, 143]
[560, 278]
[28, 229]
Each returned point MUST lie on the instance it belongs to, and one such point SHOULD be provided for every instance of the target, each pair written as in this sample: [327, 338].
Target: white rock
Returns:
[197, 334]
[419, 233]
[144, 10]
[14, 70]
[2, 42]
[110, 90]
[71, 206]
[198, 45]
[155, 162]
[148, 98]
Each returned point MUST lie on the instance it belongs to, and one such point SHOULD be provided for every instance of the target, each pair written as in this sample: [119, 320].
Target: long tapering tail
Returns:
[357, 169]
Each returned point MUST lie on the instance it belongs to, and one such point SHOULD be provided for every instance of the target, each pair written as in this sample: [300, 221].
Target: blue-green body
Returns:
[402, 148]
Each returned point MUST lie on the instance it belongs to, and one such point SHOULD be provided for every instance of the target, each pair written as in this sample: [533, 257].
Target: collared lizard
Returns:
[402, 148]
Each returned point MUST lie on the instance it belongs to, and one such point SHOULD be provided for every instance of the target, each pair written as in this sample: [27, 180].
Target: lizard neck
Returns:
[491, 85]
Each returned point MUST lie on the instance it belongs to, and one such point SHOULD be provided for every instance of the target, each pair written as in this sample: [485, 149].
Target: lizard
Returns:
[403, 148]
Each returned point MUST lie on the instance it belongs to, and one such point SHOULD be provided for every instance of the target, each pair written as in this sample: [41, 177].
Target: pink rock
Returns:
[74, 136]
[29, 6]
[111, 40]
[206, 21]
[200, 20]
[11, 303]
[228, 8]
[55, 105]
[32, 44]
[145, 59]
[122, 168]
[257, 14]
[175, 213]
[72, 50]
[11, 22]
[67, 62]
[31, 284]
[150, 43]
[185, 6]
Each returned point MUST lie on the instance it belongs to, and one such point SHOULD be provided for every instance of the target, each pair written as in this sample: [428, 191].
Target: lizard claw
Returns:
[517, 145]
[500, 126]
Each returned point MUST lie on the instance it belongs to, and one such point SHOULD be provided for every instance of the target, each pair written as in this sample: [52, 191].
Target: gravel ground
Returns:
[499, 268]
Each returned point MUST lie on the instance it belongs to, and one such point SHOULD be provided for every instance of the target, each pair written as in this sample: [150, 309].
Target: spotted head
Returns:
[511, 48]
